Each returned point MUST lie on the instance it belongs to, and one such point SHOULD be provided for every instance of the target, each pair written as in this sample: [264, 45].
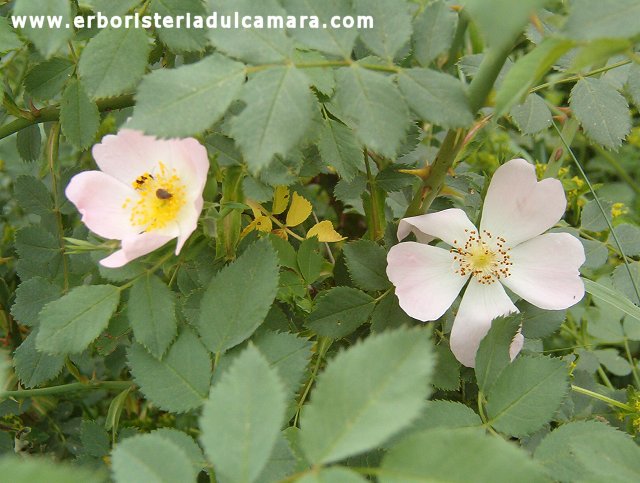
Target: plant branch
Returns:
[52, 113]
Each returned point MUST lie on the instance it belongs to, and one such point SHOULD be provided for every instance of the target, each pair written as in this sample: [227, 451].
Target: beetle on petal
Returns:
[510, 248]
[148, 191]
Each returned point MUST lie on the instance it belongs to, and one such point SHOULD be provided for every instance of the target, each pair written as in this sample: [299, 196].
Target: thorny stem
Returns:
[375, 201]
[53, 144]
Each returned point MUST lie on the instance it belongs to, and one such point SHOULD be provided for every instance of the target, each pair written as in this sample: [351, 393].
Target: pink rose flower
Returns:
[148, 192]
[509, 249]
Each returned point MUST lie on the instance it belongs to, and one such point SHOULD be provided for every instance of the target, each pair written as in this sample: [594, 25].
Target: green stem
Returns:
[574, 78]
[376, 231]
[52, 113]
[601, 397]
[64, 388]
[53, 143]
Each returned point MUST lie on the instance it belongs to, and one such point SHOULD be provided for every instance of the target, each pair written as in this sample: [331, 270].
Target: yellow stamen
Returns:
[162, 196]
[483, 256]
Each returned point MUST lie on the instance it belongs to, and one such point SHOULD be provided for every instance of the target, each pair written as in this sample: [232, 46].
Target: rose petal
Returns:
[134, 247]
[128, 154]
[188, 222]
[189, 158]
[545, 271]
[100, 199]
[481, 303]
[518, 207]
[447, 225]
[424, 277]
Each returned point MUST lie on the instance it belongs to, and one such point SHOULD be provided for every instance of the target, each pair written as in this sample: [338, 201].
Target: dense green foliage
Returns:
[273, 347]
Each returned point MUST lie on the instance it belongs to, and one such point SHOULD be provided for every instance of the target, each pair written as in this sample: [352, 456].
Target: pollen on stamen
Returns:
[482, 256]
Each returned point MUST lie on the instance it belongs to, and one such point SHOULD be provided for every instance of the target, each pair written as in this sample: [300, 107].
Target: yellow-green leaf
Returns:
[299, 211]
[325, 232]
[280, 200]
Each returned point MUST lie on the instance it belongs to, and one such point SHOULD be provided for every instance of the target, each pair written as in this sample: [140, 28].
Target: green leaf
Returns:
[241, 421]
[71, 323]
[433, 33]
[532, 116]
[510, 16]
[527, 71]
[188, 99]
[277, 115]
[611, 360]
[29, 143]
[339, 148]
[32, 195]
[447, 414]
[34, 367]
[493, 353]
[594, 19]
[254, 45]
[436, 97]
[282, 462]
[111, 8]
[95, 439]
[457, 456]
[372, 106]
[180, 381]
[152, 314]
[31, 296]
[602, 111]
[612, 297]
[38, 249]
[338, 42]
[447, 373]
[186, 442]
[152, 459]
[8, 39]
[629, 237]
[349, 413]
[367, 264]
[527, 394]
[633, 83]
[47, 40]
[589, 451]
[309, 261]
[333, 475]
[180, 39]
[79, 116]
[320, 77]
[47, 79]
[340, 311]
[114, 61]
[392, 26]
[538, 323]
[228, 316]
[388, 315]
[390, 179]
[591, 218]
[17, 469]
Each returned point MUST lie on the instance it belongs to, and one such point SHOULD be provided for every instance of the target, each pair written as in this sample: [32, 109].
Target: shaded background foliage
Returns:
[258, 357]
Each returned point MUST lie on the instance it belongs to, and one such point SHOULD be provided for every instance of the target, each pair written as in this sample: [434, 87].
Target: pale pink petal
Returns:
[100, 199]
[189, 158]
[134, 247]
[128, 154]
[518, 207]
[481, 303]
[447, 225]
[424, 277]
[188, 222]
[545, 271]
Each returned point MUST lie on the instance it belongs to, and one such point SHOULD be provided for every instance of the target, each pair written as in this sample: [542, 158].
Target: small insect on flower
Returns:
[148, 191]
[509, 249]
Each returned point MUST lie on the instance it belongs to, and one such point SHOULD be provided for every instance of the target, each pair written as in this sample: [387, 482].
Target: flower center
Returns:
[162, 195]
[483, 256]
